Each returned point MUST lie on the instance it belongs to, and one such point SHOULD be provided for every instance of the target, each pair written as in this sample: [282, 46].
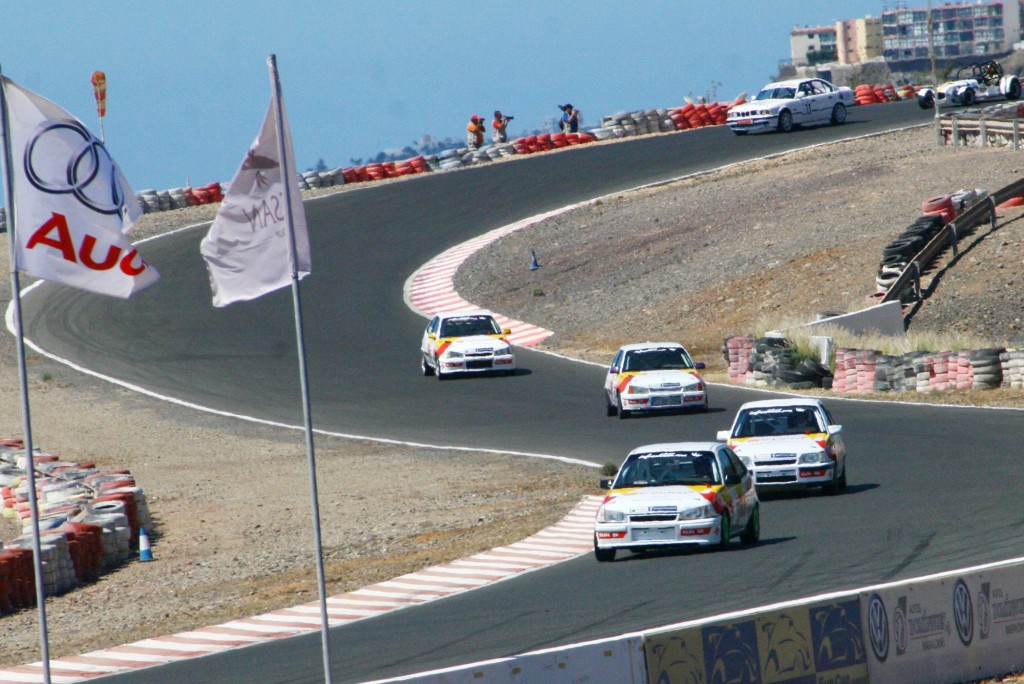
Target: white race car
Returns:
[653, 376]
[972, 83]
[468, 341]
[789, 443]
[787, 104]
[677, 494]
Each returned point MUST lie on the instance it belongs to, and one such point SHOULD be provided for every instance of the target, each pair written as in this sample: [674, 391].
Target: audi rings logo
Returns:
[63, 158]
[963, 612]
[878, 628]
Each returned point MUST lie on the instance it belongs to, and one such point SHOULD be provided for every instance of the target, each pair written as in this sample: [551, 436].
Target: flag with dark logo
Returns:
[247, 249]
[72, 205]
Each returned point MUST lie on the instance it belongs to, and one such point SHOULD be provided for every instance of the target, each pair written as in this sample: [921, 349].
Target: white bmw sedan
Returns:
[674, 495]
[785, 105]
[465, 342]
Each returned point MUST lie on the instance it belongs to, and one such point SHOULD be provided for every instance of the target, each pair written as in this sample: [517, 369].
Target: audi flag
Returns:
[72, 205]
[247, 250]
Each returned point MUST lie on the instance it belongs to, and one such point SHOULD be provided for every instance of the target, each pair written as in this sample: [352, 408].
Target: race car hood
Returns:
[665, 379]
[667, 499]
[797, 444]
[472, 343]
[748, 108]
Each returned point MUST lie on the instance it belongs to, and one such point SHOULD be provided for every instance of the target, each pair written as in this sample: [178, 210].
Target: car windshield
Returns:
[661, 358]
[776, 421]
[464, 326]
[776, 93]
[669, 468]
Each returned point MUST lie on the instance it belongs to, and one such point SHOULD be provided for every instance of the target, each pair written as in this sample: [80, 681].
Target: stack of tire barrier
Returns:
[771, 362]
[936, 213]
[3, 219]
[89, 521]
[179, 198]
[860, 371]
[311, 180]
[876, 94]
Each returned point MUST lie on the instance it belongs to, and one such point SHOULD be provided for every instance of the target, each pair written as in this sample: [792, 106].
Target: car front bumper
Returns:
[647, 535]
[482, 364]
[665, 401]
[795, 476]
[753, 123]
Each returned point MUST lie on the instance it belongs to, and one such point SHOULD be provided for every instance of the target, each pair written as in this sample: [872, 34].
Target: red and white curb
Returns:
[570, 537]
[432, 288]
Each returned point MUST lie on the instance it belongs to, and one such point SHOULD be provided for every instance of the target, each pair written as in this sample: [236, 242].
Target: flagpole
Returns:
[33, 503]
[288, 182]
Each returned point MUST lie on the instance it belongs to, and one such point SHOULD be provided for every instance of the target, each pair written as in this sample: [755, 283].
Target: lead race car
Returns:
[973, 83]
[785, 105]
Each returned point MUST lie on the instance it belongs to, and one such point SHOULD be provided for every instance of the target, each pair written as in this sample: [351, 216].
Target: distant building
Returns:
[812, 45]
[957, 29]
[859, 40]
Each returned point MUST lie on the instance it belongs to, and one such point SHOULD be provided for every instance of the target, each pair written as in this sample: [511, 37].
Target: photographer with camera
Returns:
[500, 123]
[475, 132]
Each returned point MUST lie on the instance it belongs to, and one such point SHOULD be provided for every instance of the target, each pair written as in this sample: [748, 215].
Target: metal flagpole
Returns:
[287, 182]
[33, 504]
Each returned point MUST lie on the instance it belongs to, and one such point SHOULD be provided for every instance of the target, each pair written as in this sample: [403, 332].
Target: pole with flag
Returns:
[258, 243]
[68, 203]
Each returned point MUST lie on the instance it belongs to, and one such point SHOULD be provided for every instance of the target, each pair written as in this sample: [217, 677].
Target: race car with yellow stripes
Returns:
[789, 443]
[465, 342]
[653, 376]
[677, 494]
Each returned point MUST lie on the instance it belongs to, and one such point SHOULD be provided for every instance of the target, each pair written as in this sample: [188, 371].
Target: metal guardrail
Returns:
[949, 237]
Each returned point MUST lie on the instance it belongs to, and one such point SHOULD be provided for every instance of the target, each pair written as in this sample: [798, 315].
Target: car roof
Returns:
[676, 446]
[455, 313]
[649, 345]
[779, 403]
[791, 83]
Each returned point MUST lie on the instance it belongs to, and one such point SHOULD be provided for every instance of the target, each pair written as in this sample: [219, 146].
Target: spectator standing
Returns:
[500, 123]
[570, 119]
[475, 132]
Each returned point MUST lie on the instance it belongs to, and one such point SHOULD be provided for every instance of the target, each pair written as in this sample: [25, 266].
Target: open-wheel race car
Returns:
[973, 83]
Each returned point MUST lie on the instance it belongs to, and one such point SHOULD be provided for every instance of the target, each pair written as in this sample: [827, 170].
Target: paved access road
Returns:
[931, 488]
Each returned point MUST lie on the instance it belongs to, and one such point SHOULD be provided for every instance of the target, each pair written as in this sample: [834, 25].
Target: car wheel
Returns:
[623, 414]
[437, 370]
[785, 121]
[927, 101]
[603, 555]
[752, 532]
[831, 488]
[726, 531]
[610, 408]
[838, 115]
[427, 370]
[1013, 92]
[967, 98]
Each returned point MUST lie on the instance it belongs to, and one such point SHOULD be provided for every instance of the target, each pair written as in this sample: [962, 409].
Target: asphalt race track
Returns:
[931, 488]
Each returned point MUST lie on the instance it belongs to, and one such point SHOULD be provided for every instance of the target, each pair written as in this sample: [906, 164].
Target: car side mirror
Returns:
[605, 482]
[800, 95]
[613, 370]
[699, 365]
[734, 478]
[431, 336]
[835, 429]
[723, 435]
[506, 331]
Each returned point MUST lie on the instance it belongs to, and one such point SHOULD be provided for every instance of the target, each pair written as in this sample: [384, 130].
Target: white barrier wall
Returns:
[954, 629]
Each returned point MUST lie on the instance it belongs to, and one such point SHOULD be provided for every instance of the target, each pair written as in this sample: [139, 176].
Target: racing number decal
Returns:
[807, 106]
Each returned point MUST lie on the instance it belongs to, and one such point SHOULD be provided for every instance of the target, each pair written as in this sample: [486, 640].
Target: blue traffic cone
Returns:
[534, 265]
[144, 552]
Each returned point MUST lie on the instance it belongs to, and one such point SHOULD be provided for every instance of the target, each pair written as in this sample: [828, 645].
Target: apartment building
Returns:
[812, 45]
[859, 40]
[956, 29]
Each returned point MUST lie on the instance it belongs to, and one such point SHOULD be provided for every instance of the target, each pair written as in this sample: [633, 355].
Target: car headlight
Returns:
[605, 516]
[813, 457]
[452, 354]
[503, 351]
[699, 513]
[637, 389]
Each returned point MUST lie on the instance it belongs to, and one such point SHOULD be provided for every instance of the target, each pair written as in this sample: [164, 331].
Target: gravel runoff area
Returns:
[692, 261]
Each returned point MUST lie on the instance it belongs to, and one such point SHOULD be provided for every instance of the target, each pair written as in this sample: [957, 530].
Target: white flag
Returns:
[72, 205]
[247, 250]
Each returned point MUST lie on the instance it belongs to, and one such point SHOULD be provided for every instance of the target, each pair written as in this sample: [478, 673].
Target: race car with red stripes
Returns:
[789, 443]
[465, 342]
[677, 494]
[654, 376]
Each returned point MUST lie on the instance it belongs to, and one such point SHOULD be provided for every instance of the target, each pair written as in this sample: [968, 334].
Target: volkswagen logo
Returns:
[878, 627]
[963, 612]
[63, 158]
